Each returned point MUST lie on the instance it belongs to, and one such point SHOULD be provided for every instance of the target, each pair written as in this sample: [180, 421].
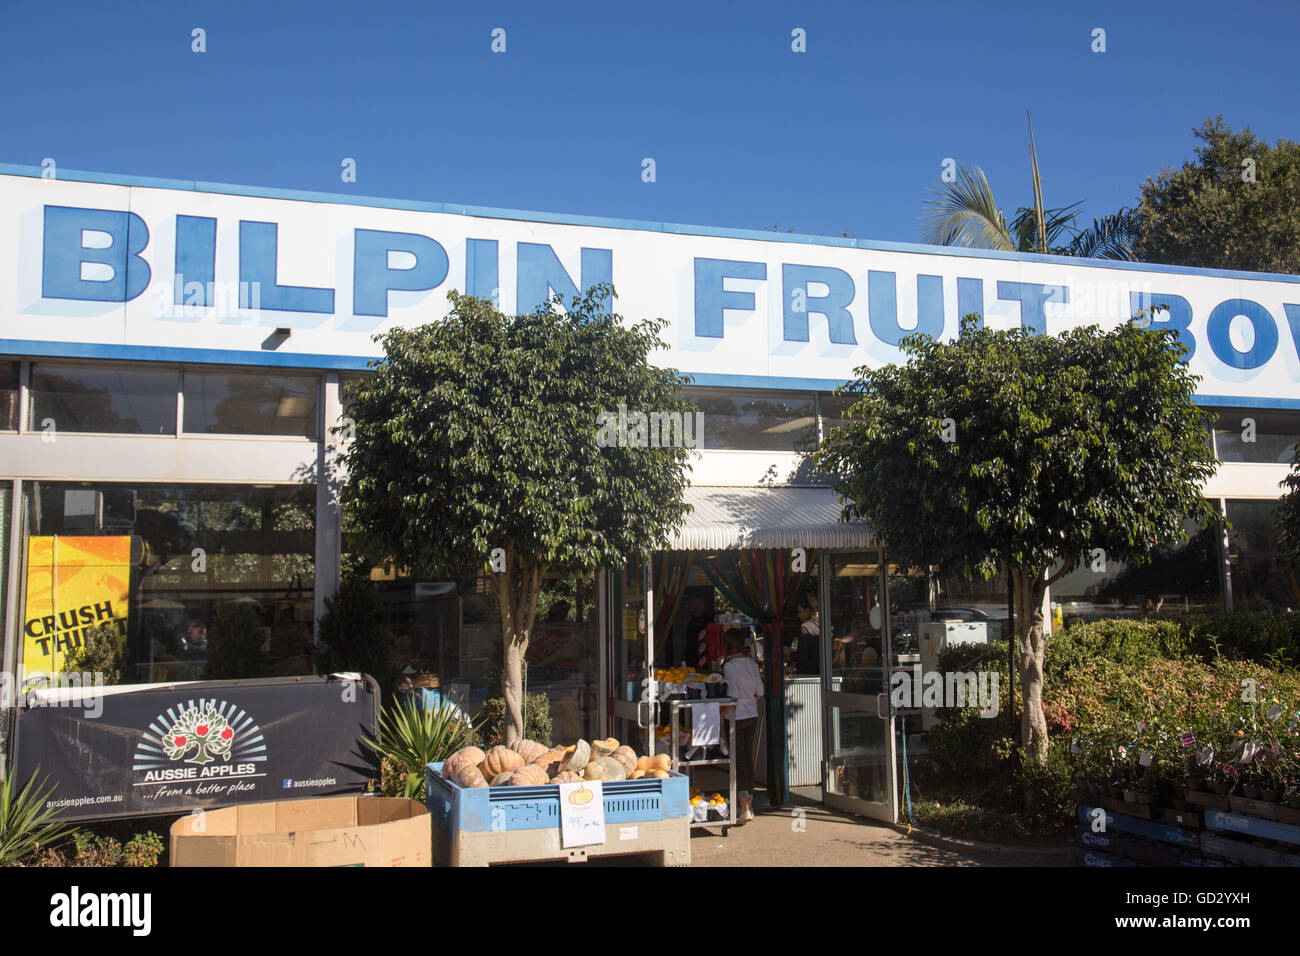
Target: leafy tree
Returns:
[477, 447]
[1236, 207]
[1009, 449]
[1286, 519]
[964, 213]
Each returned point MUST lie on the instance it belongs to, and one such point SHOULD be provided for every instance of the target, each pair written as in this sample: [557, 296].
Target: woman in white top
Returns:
[745, 684]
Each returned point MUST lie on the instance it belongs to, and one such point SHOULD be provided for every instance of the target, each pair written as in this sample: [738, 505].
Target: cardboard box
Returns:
[331, 831]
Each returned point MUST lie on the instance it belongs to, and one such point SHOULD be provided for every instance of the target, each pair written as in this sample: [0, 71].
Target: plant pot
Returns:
[1194, 784]
[1250, 791]
[1148, 797]
[1221, 787]
[1268, 794]
[1130, 796]
[1116, 793]
[1293, 799]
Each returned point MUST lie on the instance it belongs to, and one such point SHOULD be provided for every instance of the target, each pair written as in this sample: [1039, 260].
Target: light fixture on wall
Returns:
[277, 338]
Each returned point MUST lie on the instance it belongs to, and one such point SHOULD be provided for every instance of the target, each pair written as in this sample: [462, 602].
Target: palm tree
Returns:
[966, 214]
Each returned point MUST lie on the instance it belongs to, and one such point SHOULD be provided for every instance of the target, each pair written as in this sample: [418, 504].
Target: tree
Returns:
[1236, 207]
[1286, 519]
[966, 214]
[1009, 449]
[480, 445]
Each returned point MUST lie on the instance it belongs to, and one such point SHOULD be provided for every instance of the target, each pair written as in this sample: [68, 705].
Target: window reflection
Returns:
[757, 421]
[105, 399]
[8, 395]
[241, 403]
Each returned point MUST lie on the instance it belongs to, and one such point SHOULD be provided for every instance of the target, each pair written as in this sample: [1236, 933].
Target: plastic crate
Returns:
[534, 808]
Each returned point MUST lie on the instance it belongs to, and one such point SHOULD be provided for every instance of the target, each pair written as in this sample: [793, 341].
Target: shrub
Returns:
[355, 635]
[27, 825]
[234, 643]
[409, 736]
[537, 719]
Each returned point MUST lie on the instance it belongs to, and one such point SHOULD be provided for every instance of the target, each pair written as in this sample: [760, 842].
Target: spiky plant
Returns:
[26, 823]
[411, 736]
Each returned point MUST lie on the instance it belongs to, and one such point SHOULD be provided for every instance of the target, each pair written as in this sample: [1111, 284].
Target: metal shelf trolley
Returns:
[675, 708]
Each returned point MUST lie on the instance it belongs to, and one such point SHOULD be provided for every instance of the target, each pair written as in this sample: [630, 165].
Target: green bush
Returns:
[1124, 641]
[537, 719]
[355, 635]
[1244, 635]
[234, 644]
[100, 653]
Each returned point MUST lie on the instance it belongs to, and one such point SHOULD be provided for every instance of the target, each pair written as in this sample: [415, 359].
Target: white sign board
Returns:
[207, 274]
[582, 814]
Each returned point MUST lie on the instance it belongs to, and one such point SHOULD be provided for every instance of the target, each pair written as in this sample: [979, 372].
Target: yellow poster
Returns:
[72, 584]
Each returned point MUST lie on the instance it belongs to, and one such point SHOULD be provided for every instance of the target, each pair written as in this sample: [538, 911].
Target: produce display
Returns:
[526, 763]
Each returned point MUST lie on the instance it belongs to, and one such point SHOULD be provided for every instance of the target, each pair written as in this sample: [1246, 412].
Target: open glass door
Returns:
[635, 713]
[858, 770]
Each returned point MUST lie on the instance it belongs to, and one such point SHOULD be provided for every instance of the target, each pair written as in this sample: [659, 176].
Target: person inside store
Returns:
[700, 617]
[745, 684]
[808, 653]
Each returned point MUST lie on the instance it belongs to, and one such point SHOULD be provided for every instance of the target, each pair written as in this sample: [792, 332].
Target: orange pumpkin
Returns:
[462, 768]
[530, 750]
[529, 775]
[567, 776]
[501, 779]
[657, 773]
[501, 760]
[603, 748]
[627, 757]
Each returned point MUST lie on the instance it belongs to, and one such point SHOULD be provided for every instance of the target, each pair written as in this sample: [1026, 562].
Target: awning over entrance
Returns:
[748, 517]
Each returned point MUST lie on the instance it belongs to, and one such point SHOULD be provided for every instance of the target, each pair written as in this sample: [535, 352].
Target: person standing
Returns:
[808, 655]
[745, 684]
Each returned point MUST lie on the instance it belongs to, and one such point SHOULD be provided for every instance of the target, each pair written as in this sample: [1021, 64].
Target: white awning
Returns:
[749, 517]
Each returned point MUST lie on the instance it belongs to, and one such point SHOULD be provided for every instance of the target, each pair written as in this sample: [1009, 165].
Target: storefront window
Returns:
[833, 408]
[1251, 436]
[241, 403]
[1262, 580]
[766, 421]
[104, 399]
[8, 396]
[201, 581]
[1181, 579]
[563, 655]
[971, 600]
[856, 633]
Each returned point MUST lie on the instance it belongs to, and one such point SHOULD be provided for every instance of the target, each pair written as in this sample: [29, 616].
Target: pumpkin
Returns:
[595, 770]
[627, 757]
[603, 748]
[530, 750]
[636, 775]
[461, 768]
[551, 761]
[501, 779]
[578, 759]
[643, 763]
[529, 775]
[567, 776]
[501, 760]
[660, 762]
[614, 768]
[657, 773]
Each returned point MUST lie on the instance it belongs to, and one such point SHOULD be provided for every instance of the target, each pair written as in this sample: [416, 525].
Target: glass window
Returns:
[1261, 577]
[833, 408]
[8, 396]
[758, 421]
[196, 581]
[856, 633]
[116, 400]
[250, 403]
[1244, 435]
[1178, 580]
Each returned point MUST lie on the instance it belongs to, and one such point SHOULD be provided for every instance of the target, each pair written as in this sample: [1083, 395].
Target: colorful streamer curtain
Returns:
[760, 583]
[671, 571]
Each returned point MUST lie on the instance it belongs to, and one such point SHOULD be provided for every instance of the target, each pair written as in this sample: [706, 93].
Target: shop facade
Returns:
[175, 359]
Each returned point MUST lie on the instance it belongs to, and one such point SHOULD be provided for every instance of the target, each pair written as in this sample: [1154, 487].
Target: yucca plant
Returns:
[26, 823]
[410, 736]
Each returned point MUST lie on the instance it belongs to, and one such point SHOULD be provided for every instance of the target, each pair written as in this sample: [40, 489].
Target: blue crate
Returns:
[534, 808]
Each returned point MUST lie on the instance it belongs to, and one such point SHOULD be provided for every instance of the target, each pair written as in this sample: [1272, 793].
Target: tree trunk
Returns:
[1030, 586]
[516, 588]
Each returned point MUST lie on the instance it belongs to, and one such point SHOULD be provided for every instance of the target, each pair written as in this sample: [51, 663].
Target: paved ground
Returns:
[821, 837]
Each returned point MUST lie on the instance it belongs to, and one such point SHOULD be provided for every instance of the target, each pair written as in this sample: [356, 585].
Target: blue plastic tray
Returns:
[533, 808]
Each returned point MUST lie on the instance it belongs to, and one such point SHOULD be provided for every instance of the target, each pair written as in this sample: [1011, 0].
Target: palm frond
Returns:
[1115, 236]
[965, 214]
[412, 736]
[26, 822]
[1024, 227]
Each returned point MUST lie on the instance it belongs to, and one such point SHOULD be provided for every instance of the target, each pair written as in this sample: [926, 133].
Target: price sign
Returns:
[582, 814]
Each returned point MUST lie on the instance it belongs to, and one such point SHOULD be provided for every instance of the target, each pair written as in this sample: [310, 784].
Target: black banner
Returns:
[166, 748]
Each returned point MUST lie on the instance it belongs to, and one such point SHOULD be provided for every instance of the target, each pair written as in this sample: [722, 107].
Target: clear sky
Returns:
[848, 136]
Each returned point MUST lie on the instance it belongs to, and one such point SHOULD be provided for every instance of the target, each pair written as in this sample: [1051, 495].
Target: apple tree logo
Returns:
[203, 732]
[212, 737]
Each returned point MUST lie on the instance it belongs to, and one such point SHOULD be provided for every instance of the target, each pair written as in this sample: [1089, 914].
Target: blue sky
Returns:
[745, 133]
